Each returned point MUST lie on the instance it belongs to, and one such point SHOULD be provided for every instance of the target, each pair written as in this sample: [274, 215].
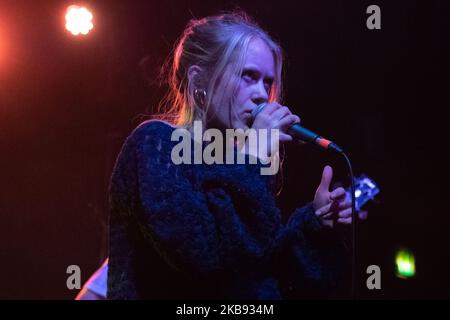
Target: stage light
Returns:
[78, 20]
[5, 52]
[405, 262]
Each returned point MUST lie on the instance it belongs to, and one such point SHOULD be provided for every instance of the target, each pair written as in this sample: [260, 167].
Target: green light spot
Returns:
[406, 266]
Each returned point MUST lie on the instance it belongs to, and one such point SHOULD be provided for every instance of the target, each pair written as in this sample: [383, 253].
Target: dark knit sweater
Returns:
[207, 231]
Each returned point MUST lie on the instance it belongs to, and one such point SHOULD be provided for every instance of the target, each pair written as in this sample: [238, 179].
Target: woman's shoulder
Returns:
[153, 126]
[152, 130]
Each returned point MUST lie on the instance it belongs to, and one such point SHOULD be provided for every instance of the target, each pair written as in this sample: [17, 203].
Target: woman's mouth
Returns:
[247, 117]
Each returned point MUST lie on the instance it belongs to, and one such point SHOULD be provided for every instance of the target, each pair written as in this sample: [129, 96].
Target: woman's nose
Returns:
[260, 95]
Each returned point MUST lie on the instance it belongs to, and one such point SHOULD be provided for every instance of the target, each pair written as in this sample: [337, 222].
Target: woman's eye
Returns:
[249, 76]
[268, 84]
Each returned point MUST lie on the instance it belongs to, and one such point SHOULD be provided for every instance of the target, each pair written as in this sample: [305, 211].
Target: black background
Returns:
[66, 105]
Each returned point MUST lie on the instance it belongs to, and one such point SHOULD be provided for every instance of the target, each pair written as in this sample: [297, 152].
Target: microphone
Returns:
[301, 133]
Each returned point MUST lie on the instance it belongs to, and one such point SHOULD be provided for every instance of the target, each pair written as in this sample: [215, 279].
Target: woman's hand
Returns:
[331, 206]
[273, 116]
[276, 116]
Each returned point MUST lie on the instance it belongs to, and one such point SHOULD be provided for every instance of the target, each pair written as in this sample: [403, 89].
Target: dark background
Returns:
[66, 105]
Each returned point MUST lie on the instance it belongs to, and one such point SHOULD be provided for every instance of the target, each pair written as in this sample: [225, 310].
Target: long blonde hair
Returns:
[216, 44]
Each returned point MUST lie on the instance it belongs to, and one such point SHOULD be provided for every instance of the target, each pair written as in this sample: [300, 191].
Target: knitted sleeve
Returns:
[314, 258]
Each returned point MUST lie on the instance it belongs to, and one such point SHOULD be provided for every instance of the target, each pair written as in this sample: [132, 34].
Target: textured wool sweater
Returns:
[199, 231]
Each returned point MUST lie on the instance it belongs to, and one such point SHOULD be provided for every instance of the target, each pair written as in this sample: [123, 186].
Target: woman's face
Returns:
[253, 89]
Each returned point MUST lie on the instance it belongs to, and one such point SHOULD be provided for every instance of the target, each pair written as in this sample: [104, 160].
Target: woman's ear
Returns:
[193, 73]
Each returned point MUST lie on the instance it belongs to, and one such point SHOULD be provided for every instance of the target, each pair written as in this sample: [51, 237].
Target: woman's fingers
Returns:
[285, 137]
[287, 122]
[345, 204]
[324, 210]
[348, 213]
[283, 117]
[276, 116]
[280, 113]
[270, 108]
[342, 211]
[338, 194]
[332, 207]
[345, 213]
[345, 220]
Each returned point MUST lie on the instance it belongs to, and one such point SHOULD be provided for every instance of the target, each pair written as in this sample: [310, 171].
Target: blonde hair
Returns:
[218, 45]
